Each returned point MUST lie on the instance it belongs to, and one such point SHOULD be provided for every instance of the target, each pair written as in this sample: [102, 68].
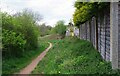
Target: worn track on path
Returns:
[33, 64]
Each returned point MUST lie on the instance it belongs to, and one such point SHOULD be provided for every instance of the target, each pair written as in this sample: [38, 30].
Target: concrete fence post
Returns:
[114, 34]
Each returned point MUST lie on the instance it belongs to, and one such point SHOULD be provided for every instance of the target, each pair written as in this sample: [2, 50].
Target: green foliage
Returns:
[59, 28]
[82, 13]
[20, 32]
[13, 43]
[26, 22]
[85, 10]
[8, 22]
[51, 37]
[79, 57]
[14, 65]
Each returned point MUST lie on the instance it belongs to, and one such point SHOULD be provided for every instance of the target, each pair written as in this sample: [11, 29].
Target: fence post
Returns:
[114, 32]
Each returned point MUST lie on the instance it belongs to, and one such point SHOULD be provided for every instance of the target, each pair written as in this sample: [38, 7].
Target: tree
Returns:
[82, 13]
[27, 23]
[13, 43]
[86, 10]
[19, 32]
[44, 30]
[59, 28]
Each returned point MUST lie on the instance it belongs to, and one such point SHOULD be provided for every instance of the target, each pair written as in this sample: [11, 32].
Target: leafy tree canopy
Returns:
[85, 10]
[59, 28]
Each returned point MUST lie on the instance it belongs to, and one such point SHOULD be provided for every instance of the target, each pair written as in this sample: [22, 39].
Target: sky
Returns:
[51, 10]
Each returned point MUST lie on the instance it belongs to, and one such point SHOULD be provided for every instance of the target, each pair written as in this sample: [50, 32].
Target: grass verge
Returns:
[73, 56]
[13, 65]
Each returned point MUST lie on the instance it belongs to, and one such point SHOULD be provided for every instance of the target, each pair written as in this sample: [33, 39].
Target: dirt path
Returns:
[33, 64]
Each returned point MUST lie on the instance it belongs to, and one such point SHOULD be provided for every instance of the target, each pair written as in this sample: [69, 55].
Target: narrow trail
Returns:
[33, 64]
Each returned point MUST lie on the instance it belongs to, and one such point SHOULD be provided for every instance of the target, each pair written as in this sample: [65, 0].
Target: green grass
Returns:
[73, 56]
[51, 37]
[13, 65]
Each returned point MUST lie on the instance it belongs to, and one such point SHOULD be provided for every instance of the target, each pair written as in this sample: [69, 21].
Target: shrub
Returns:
[13, 43]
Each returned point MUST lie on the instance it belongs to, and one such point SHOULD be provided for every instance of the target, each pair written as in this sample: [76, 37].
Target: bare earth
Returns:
[33, 64]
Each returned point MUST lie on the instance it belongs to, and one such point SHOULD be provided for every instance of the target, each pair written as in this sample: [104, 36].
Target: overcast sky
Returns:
[51, 10]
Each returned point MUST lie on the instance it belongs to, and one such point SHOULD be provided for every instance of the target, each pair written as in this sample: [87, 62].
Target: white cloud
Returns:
[52, 10]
